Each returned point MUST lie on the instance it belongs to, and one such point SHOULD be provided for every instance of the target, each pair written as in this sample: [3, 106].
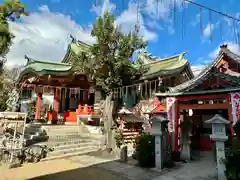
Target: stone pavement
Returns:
[197, 170]
[57, 169]
[92, 167]
[203, 169]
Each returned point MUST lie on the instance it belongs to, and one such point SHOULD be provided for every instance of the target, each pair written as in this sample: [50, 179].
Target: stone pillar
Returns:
[38, 106]
[219, 135]
[97, 101]
[158, 151]
[156, 131]
[185, 142]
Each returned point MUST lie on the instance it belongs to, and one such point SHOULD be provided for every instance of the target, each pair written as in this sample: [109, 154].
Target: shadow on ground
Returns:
[84, 173]
[95, 166]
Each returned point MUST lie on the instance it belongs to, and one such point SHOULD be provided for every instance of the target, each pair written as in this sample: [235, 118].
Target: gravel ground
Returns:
[57, 169]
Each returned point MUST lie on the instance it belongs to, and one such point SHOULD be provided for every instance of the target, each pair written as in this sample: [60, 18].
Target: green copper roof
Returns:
[45, 68]
[78, 47]
[157, 67]
[165, 66]
[169, 94]
[75, 47]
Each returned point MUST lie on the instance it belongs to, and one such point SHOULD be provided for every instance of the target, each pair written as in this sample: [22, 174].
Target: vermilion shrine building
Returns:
[75, 96]
[215, 90]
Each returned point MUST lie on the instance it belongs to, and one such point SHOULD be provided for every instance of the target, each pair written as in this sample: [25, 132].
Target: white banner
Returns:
[235, 101]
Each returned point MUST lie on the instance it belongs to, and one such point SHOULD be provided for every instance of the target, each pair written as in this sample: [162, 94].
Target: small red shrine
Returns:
[216, 90]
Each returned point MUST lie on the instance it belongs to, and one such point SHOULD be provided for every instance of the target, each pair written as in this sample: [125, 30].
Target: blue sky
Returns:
[45, 33]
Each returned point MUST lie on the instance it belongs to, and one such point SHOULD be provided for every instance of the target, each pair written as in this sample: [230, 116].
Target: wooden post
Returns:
[38, 106]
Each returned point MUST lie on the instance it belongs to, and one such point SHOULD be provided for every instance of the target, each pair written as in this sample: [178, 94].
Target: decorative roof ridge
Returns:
[201, 75]
[229, 53]
[31, 61]
[78, 42]
[168, 58]
[223, 51]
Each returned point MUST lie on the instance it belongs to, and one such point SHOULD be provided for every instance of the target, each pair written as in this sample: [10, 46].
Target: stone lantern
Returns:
[158, 122]
[219, 135]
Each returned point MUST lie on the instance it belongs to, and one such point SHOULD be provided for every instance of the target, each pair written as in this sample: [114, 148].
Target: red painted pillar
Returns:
[228, 101]
[56, 100]
[38, 106]
[177, 126]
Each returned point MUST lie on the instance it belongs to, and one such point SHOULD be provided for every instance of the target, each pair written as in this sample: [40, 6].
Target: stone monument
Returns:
[157, 126]
[219, 135]
[185, 140]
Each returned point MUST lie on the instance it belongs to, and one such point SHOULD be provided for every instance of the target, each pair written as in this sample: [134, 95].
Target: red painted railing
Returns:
[86, 110]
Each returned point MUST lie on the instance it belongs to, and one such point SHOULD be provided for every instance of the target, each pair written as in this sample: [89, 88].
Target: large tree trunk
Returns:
[108, 121]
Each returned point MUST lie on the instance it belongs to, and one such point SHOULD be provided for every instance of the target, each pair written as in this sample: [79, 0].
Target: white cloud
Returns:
[197, 69]
[207, 32]
[231, 46]
[44, 35]
[197, 20]
[100, 9]
[128, 19]
[161, 9]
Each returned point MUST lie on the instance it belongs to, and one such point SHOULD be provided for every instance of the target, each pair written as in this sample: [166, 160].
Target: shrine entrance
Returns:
[201, 131]
[197, 110]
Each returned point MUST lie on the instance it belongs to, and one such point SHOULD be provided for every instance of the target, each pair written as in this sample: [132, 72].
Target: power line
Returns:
[213, 10]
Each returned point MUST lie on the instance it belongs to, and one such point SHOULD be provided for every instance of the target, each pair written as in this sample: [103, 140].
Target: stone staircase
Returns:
[70, 140]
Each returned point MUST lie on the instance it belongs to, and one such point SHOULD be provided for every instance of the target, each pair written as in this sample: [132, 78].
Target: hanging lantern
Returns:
[49, 77]
[160, 81]
[190, 112]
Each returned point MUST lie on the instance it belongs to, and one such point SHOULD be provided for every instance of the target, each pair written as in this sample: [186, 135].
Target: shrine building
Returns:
[60, 92]
[214, 91]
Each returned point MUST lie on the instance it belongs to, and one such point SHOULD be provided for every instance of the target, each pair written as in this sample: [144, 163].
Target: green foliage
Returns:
[233, 156]
[144, 150]
[232, 164]
[109, 61]
[10, 10]
[119, 138]
[7, 80]
[31, 109]
[3, 98]
[50, 109]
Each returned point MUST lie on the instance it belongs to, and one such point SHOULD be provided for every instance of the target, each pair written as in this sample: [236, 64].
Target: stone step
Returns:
[68, 142]
[65, 137]
[65, 128]
[60, 127]
[72, 150]
[72, 146]
[32, 130]
[34, 125]
[67, 155]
